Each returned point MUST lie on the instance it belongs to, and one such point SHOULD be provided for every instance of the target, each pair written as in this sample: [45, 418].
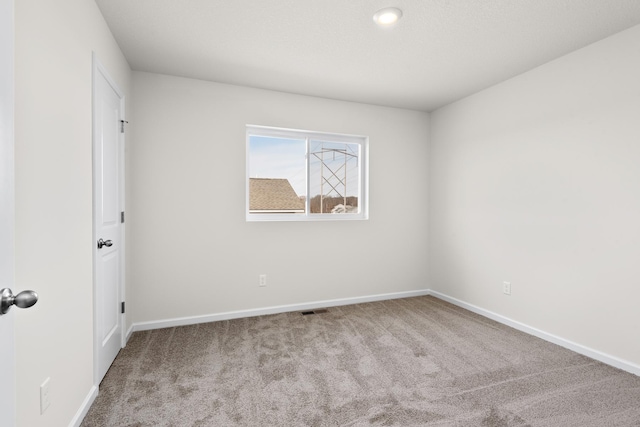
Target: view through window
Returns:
[299, 175]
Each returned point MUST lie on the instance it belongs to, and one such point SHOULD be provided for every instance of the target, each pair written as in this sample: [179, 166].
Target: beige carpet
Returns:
[409, 362]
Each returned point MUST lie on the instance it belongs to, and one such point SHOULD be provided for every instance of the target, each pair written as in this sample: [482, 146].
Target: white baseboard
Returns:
[84, 408]
[128, 334]
[578, 348]
[182, 321]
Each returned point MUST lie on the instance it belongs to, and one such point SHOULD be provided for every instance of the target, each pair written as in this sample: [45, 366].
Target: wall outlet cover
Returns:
[506, 288]
[45, 399]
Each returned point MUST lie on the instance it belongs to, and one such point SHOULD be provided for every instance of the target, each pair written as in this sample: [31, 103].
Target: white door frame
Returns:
[8, 415]
[99, 68]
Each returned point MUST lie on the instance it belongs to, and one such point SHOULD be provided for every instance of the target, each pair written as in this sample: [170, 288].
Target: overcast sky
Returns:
[279, 158]
[285, 158]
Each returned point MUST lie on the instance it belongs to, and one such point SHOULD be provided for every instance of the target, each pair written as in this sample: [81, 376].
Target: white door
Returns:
[7, 348]
[108, 139]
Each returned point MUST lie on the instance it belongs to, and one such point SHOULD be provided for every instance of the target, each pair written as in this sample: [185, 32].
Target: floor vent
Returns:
[316, 311]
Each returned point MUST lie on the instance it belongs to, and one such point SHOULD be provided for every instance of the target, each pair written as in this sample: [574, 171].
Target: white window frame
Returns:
[363, 159]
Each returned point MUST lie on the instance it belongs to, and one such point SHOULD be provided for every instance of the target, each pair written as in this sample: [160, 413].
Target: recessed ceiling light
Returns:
[387, 17]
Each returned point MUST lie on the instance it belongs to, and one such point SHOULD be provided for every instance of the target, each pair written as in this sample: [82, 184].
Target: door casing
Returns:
[7, 205]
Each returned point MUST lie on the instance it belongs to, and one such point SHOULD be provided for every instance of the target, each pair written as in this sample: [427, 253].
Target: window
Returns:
[295, 175]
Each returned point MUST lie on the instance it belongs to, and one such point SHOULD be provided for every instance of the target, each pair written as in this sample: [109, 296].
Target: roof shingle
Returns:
[273, 194]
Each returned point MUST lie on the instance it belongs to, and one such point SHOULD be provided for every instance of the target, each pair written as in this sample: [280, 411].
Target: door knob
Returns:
[107, 243]
[24, 299]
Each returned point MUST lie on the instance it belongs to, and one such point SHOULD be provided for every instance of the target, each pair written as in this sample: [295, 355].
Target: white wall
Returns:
[192, 252]
[535, 181]
[54, 41]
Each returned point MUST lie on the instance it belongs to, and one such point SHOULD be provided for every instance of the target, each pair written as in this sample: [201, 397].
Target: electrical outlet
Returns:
[263, 280]
[45, 400]
[506, 288]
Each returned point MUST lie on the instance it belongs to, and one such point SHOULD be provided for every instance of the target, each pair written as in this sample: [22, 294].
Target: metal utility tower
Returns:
[327, 158]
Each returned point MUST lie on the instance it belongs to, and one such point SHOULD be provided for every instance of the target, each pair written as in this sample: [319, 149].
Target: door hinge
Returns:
[122, 122]
[122, 217]
[122, 308]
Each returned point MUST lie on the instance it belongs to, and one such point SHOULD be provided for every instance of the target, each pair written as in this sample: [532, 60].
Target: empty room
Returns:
[320, 213]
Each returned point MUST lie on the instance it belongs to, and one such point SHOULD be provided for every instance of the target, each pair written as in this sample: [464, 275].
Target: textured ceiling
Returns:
[439, 52]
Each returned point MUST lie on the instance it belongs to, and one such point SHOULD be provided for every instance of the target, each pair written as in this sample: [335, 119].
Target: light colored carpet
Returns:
[408, 362]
